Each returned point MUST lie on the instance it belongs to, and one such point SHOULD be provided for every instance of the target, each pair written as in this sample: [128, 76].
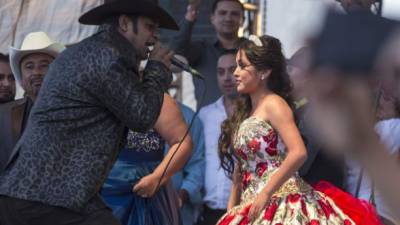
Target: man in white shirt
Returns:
[217, 185]
[388, 131]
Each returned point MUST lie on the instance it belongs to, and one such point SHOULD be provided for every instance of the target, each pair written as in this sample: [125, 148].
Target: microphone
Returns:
[176, 62]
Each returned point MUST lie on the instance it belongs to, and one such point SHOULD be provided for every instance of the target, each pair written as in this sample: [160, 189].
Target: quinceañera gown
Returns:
[261, 153]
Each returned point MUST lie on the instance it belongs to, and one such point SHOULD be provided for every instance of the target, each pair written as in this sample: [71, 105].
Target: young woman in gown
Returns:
[261, 147]
[130, 189]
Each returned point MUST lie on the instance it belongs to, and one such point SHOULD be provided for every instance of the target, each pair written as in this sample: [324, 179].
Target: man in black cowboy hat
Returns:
[90, 93]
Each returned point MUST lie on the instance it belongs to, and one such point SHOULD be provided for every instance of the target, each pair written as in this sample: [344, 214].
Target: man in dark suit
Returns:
[90, 95]
[29, 64]
[226, 17]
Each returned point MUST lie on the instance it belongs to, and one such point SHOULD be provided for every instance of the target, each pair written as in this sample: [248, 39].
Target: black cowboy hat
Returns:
[147, 8]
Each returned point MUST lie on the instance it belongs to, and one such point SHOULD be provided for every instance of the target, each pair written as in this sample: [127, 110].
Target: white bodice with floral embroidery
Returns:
[261, 153]
[258, 146]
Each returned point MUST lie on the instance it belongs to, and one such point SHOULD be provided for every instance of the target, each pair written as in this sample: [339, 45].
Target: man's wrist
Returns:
[190, 19]
[159, 69]
[184, 195]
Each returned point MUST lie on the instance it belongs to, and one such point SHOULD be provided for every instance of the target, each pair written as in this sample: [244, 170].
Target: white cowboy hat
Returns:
[35, 42]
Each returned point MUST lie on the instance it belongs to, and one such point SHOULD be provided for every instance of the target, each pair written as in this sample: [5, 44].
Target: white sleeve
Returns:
[188, 95]
[389, 134]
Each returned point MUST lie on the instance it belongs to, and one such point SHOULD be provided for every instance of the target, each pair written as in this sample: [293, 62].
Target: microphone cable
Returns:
[185, 135]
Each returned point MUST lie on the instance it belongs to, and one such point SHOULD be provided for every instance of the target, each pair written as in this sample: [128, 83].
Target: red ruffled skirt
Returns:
[360, 211]
[325, 204]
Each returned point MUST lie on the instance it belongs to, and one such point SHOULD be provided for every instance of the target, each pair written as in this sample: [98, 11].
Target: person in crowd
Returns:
[226, 18]
[90, 95]
[388, 129]
[217, 184]
[357, 181]
[29, 64]
[319, 164]
[131, 188]
[263, 148]
[7, 80]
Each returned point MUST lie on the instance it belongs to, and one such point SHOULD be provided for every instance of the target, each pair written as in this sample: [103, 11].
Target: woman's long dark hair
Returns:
[269, 56]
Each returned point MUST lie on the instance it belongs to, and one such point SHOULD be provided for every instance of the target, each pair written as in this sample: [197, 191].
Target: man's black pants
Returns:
[210, 216]
[21, 212]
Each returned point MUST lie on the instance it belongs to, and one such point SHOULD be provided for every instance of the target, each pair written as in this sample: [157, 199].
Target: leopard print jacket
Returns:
[90, 96]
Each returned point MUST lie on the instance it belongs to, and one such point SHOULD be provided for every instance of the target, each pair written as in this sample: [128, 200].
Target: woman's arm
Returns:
[171, 126]
[281, 118]
[234, 197]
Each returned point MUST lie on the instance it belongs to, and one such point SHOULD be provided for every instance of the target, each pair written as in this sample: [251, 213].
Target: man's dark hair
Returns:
[134, 19]
[215, 3]
[228, 52]
[4, 58]
[114, 21]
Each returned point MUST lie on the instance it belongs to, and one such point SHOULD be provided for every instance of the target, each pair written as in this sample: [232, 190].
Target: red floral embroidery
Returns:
[272, 140]
[293, 198]
[313, 222]
[246, 179]
[245, 213]
[245, 220]
[242, 154]
[304, 207]
[327, 208]
[261, 167]
[254, 146]
[276, 163]
[270, 211]
[320, 212]
[270, 137]
[227, 220]
[271, 150]
[347, 222]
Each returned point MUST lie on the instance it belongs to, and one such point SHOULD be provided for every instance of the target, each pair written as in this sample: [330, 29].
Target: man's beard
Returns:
[9, 96]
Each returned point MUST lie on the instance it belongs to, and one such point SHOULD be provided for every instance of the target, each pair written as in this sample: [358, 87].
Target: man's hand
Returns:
[192, 10]
[162, 54]
[146, 187]
[183, 197]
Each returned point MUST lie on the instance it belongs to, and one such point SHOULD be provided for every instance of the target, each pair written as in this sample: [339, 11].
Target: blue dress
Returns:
[141, 155]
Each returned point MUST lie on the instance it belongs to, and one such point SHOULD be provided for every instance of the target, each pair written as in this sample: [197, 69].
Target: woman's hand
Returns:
[146, 187]
[260, 202]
